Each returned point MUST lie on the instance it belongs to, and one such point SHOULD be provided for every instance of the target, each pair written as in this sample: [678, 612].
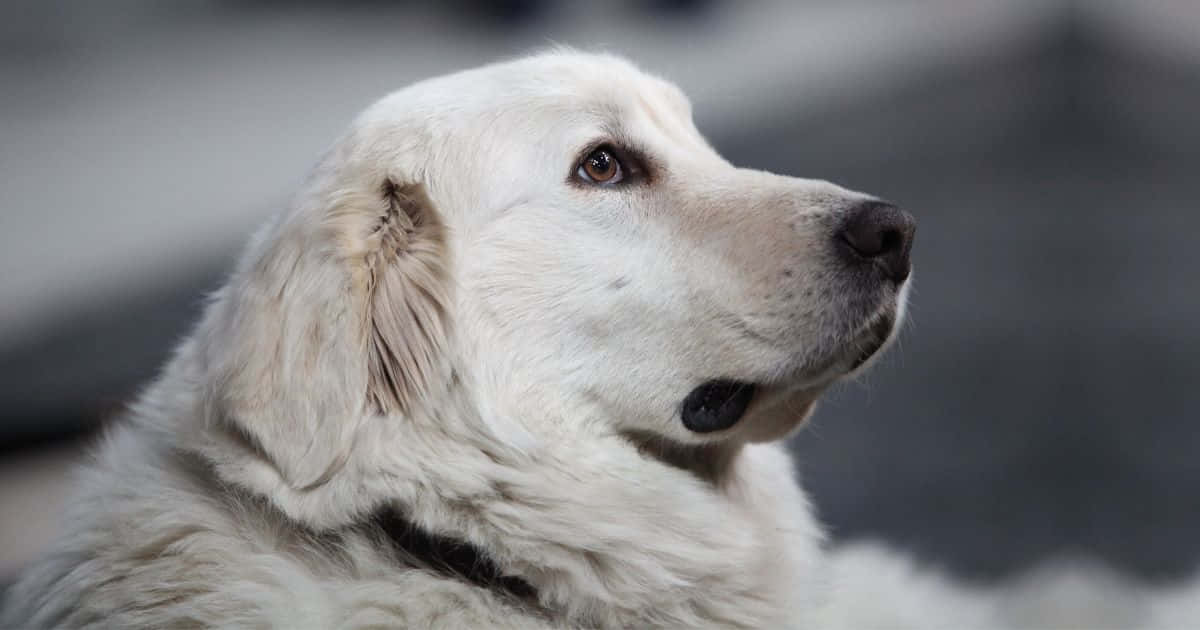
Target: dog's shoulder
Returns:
[153, 539]
[141, 534]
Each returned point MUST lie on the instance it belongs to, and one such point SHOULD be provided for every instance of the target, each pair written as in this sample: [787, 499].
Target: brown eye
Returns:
[601, 167]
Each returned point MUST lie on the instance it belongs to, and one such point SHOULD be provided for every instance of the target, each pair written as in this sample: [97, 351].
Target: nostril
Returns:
[878, 233]
[873, 229]
[891, 241]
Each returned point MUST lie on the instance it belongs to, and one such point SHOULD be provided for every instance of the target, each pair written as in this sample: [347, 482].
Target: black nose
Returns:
[880, 234]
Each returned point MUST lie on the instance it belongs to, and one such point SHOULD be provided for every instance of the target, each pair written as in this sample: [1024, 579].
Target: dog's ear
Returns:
[406, 300]
[336, 319]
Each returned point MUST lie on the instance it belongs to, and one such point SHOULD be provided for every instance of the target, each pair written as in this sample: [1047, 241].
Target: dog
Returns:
[519, 355]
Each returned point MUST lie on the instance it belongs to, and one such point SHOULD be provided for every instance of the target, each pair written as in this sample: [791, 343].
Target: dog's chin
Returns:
[760, 412]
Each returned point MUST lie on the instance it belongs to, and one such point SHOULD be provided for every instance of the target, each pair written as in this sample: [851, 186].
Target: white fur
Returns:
[445, 323]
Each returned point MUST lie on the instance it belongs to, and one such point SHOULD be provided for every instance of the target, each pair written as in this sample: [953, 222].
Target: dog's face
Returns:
[607, 262]
[550, 247]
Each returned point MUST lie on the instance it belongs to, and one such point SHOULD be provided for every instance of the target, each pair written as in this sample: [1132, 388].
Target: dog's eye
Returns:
[601, 167]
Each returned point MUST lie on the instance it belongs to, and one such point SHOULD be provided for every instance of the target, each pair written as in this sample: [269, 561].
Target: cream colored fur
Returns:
[445, 322]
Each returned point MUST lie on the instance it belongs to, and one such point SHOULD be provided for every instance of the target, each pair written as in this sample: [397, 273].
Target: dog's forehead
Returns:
[600, 95]
[566, 86]
[568, 80]
[535, 109]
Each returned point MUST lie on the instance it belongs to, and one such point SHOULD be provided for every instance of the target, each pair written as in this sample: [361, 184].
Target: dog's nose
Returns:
[878, 233]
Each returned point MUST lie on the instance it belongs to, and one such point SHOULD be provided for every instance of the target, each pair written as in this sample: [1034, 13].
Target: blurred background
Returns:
[1042, 401]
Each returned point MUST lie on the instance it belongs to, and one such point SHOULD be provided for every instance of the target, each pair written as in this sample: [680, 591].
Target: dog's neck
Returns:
[710, 462]
[611, 530]
[458, 558]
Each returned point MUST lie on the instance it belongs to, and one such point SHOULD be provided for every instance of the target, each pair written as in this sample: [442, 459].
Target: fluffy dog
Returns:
[514, 358]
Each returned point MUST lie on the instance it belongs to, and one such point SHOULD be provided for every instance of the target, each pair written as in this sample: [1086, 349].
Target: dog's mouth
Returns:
[872, 340]
[716, 405]
[720, 404]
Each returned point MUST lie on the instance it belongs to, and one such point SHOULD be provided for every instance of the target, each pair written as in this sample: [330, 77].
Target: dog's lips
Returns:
[872, 340]
[856, 352]
[802, 391]
[716, 405]
[720, 404]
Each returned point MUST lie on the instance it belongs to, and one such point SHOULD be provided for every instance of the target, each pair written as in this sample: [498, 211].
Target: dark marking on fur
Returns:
[456, 559]
[619, 283]
[708, 462]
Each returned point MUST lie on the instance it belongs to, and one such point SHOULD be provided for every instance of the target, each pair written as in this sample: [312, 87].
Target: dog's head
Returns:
[555, 239]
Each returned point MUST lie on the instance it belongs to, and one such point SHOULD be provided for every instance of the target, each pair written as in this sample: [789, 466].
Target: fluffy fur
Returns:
[451, 324]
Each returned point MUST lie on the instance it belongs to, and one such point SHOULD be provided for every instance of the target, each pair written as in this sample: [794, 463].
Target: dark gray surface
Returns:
[1042, 399]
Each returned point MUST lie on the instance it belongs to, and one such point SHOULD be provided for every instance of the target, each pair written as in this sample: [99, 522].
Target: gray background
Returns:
[1041, 401]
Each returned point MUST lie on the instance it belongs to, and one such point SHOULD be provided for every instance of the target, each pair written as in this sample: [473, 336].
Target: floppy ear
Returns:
[406, 300]
[335, 318]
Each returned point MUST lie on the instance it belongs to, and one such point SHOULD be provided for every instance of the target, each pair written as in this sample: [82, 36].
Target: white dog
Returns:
[514, 358]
